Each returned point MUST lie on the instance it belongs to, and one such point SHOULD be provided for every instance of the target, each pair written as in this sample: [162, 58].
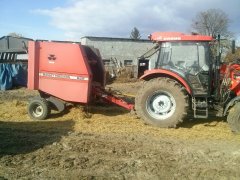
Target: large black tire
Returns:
[162, 102]
[38, 109]
[233, 118]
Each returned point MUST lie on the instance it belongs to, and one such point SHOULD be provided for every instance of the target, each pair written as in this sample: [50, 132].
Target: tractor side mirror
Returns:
[233, 46]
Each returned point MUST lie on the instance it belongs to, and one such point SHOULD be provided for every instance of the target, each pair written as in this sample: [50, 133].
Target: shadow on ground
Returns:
[104, 109]
[211, 121]
[25, 137]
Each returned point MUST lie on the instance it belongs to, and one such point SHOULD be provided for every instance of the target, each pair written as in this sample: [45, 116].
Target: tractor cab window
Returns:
[189, 57]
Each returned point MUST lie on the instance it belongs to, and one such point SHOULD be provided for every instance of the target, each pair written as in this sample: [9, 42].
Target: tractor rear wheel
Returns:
[38, 109]
[233, 118]
[162, 102]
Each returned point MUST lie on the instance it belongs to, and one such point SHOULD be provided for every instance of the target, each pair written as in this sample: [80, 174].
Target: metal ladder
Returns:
[200, 107]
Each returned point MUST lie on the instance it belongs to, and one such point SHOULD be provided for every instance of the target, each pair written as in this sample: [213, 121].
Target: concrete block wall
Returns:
[120, 48]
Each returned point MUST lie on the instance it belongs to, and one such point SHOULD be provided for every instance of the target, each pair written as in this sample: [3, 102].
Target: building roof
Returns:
[4, 37]
[114, 39]
[13, 44]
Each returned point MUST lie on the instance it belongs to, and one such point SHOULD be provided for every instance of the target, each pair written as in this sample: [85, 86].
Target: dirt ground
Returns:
[107, 142]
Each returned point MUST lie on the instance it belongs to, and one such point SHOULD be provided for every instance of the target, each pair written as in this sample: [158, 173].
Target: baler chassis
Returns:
[39, 108]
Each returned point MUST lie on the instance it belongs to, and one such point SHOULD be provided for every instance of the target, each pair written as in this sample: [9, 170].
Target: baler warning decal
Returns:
[63, 76]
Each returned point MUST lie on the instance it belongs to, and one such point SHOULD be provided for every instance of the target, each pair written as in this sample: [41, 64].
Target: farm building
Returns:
[120, 52]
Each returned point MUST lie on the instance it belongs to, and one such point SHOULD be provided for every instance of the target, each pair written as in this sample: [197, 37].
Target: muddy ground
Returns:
[107, 142]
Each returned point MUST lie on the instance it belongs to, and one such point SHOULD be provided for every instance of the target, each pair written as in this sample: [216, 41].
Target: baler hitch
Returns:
[111, 98]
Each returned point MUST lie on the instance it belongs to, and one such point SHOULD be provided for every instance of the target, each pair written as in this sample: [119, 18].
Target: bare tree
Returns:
[231, 57]
[212, 22]
[135, 34]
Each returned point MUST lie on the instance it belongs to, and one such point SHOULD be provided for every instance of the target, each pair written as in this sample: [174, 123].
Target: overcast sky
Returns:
[72, 19]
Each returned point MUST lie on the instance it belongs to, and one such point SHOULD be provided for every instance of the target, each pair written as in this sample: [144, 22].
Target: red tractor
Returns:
[187, 75]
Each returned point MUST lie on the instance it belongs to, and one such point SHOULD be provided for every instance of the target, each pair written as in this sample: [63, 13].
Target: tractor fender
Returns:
[230, 104]
[150, 74]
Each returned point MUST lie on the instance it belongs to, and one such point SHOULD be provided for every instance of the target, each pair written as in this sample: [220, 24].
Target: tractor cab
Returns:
[188, 59]
[187, 56]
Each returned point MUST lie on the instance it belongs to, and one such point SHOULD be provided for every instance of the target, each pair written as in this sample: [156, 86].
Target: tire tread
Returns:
[163, 82]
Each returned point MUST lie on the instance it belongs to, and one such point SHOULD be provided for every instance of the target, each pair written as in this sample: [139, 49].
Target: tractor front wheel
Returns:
[162, 102]
[233, 118]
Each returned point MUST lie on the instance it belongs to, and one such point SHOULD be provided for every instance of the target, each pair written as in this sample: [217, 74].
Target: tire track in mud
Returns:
[124, 157]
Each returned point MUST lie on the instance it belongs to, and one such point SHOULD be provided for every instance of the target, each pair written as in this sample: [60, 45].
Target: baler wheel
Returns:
[233, 118]
[38, 109]
[162, 102]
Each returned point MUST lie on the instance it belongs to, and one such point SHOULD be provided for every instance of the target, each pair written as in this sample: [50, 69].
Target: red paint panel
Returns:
[62, 57]
[235, 78]
[33, 65]
[64, 70]
[177, 36]
[68, 90]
